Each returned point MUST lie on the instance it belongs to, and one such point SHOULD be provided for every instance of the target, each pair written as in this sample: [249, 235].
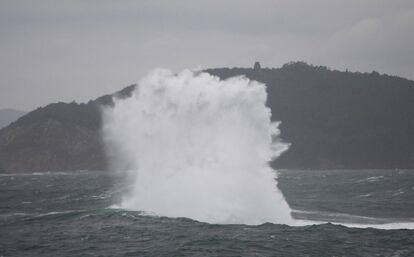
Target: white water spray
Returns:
[198, 147]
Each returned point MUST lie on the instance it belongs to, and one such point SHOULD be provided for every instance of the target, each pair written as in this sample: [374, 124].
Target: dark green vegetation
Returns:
[338, 119]
[332, 119]
[60, 136]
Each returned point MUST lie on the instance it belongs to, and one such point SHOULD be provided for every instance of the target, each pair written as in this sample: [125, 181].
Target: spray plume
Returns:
[199, 147]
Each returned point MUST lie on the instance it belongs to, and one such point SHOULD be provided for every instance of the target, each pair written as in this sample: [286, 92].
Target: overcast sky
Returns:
[54, 51]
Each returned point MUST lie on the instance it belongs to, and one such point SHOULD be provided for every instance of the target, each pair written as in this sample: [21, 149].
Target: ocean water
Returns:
[196, 150]
[353, 212]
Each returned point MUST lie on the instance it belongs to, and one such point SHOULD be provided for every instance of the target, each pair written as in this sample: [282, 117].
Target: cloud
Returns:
[77, 50]
[381, 44]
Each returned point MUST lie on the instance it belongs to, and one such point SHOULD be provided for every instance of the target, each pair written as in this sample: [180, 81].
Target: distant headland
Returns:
[333, 120]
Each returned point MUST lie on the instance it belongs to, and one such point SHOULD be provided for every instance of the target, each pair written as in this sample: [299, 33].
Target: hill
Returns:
[338, 119]
[58, 137]
[7, 116]
[333, 119]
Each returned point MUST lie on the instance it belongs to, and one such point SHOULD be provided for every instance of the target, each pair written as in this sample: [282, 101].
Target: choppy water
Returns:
[67, 214]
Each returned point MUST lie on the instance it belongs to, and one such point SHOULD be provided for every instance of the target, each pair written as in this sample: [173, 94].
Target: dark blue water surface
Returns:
[67, 214]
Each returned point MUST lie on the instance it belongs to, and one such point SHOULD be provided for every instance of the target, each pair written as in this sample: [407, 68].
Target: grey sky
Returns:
[54, 51]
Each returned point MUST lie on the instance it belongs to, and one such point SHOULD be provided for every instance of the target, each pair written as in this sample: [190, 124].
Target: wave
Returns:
[198, 147]
[351, 220]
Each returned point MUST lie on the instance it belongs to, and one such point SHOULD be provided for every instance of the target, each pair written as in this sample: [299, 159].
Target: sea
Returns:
[345, 213]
